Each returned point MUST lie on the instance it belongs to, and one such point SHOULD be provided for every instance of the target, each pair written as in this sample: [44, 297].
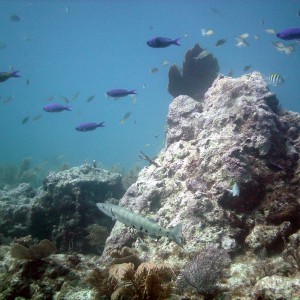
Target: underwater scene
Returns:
[150, 150]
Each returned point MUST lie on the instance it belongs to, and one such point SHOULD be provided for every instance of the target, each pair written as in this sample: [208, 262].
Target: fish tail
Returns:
[14, 74]
[133, 92]
[176, 42]
[203, 32]
[177, 233]
[68, 108]
[101, 124]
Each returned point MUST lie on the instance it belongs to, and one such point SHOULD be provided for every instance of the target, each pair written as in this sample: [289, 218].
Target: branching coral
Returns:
[102, 282]
[149, 281]
[291, 254]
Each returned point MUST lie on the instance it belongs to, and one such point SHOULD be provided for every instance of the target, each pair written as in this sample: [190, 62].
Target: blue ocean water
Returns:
[66, 47]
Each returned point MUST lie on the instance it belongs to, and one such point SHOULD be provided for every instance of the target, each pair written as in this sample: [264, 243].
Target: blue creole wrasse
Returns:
[119, 93]
[89, 126]
[161, 42]
[289, 34]
[6, 75]
[141, 223]
[54, 107]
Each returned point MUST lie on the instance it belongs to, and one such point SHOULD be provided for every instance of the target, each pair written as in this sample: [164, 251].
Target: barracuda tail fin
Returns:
[176, 234]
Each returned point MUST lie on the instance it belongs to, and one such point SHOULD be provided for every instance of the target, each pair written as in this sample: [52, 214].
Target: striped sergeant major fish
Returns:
[141, 223]
[275, 79]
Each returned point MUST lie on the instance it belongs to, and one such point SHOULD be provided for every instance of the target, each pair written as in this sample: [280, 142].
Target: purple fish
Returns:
[120, 93]
[6, 75]
[161, 42]
[54, 107]
[89, 126]
[289, 34]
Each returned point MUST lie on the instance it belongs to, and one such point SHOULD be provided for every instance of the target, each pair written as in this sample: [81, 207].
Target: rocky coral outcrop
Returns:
[68, 206]
[276, 287]
[64, 211]
[15, 205]
[229, 173]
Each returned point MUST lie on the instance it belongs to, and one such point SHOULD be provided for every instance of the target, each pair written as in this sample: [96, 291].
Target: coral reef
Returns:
[196, 76]
[43, 278]
[64, 211]
[229, 173]
[236, 138]
[15, 205]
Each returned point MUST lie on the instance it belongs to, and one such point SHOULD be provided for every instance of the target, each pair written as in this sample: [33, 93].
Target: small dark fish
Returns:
[246, 68]
[90, 98]
[89, 126]
[25, 120]
[66, 100]
[6, 75]
[76, 96]
[298, 13]
[214, 10]
[230, 73]
[289, 34]
[54, 107]
[151, 27]
[2, 45]
[36, 117]
[275, 166]
[126, 116]
[7, 99]
[14, 18]
[153, 70]
[27, 38]
[49, 98]
[220, 42]
[161, 42]
[118, 93]
[27, 81]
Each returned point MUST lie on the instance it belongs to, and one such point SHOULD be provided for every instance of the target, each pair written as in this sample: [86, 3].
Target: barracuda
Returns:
[141, 223]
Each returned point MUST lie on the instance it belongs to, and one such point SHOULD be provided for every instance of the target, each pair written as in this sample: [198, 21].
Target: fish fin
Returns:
[203, 32]
[114, 218]
[69, 108]
[152, 220]
[14, 74]
[101, 124]
[176, 42]
[177, 234]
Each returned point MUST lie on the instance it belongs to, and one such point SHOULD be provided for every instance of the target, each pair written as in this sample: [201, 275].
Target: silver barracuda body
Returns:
[140, 223]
